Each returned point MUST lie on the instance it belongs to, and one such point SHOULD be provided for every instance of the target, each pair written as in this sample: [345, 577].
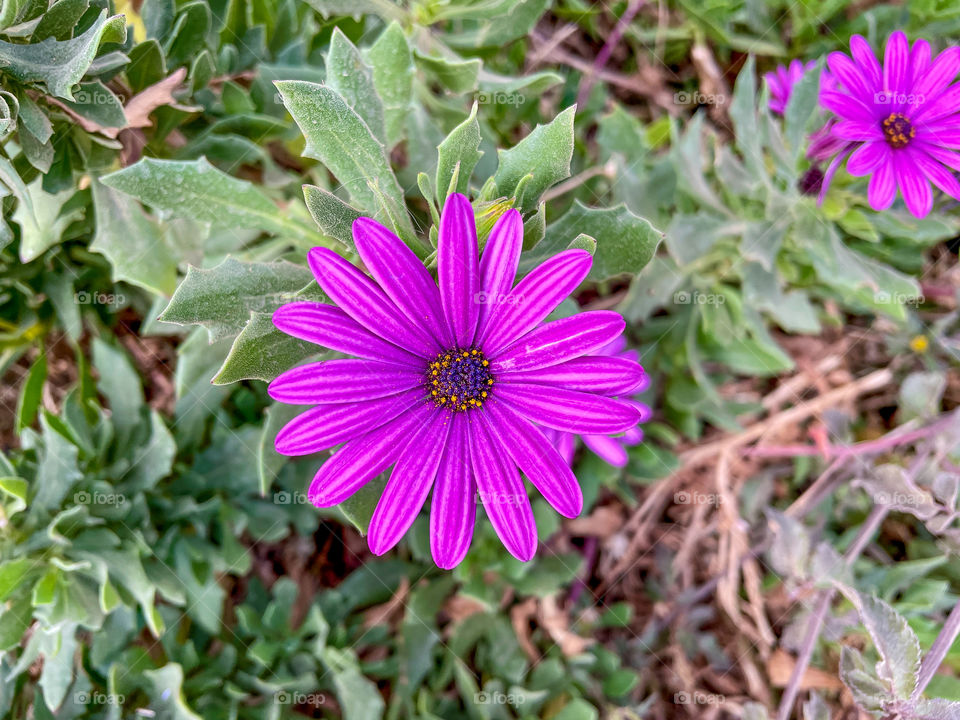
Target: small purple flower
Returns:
[899, 121]
[451, 390]
[781, 82]
[612, 450]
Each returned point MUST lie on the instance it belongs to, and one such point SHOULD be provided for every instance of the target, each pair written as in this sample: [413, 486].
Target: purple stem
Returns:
[938, 651]
[604, 55]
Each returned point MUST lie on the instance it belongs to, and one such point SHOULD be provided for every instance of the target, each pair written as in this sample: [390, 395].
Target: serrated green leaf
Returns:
[337, 137]
[352, 78]
[392, 64]
[197, 190]
[132, 241]
[60, 64]
[895, 641]
[625, 242]
[333, 216]
[545, 154]
[40, 218]
[458, 154]
[261, 352]
[222, 298]
[96, 103]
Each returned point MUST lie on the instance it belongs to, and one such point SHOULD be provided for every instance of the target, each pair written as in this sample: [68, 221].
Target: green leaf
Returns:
[545, 153]
[359, 507]
[743, 114]
[15, 620]
[96, 103]
[352, 78]
[920, 395]
[119, 382]
[32, 393]
[58, 469]
[458, 154]
[132, 241]
[222, 298]
[261, 352]
[803, 102]
[197, 190]
[12, 574]
[60, 20]
[867, 690]
[338, 137]
[269, 460]
[895, 641]
[392, 64]
[60, 64]
[625, 242]
[39, 215]
[333, 216]
[458, 76]
[167, 691]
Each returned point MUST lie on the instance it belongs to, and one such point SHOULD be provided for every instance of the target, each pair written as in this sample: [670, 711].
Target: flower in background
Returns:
[447, 382]
[781, 82]
[611, 449]
[898, 121]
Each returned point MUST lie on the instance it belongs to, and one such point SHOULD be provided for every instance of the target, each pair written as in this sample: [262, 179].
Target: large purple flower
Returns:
[450, 385]
[900, 120]
[781, 82]
[611, 449]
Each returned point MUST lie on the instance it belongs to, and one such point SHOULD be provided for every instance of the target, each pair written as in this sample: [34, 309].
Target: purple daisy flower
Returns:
[899, 121]
[611, 449]
[450, 390]
[781, 82]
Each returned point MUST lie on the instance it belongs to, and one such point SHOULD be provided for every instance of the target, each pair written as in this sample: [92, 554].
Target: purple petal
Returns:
[867, 158]
[633, 436]
[569, 410]
[498, 264]
[537, 459]
[846, 71]
[601, 375]
[408, 486]
[366, 303]
[866, 61]
[454, 506]
[857, 131]
[913, 185]
[941, 73]
[457, 268]
[882, 188]
[361, 459]
[946, 103]
[535, 297]
[501, 492]
[336, 381]
[559, 341]
[950, 158]
[828, 175]
[610, 450]
[896, 64]
[920, 56]
[332, 328]
[322, 427]
[847, 107]
[401, 275]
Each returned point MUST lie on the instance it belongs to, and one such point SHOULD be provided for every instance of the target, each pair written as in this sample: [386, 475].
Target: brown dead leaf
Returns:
[781, 664]
[139, 107]
[520, 616]
[460, 607]
[602, 523]
[557, 623]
